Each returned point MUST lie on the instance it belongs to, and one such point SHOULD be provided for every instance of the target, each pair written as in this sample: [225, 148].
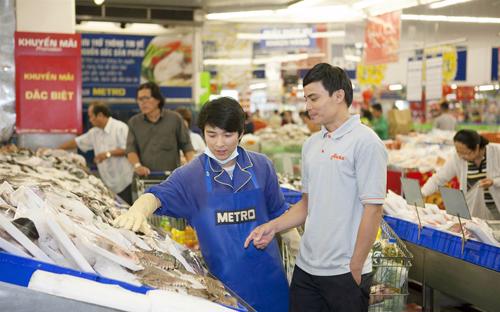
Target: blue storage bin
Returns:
[449, 244]
[482, 254]
[18, 270]
[291, 196]
[427, 237]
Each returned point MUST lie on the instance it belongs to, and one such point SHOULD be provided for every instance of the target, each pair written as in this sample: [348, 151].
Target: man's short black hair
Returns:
[444, 106]
[155, 92]
[224, 113]
[333, 78]
[100, 107]
[377, 107]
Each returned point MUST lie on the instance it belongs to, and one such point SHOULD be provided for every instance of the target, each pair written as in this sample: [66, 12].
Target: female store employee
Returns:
[225, 193]
[476, 163]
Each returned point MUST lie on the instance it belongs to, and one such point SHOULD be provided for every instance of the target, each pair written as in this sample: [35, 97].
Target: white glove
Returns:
[135, 218]
[291, 238]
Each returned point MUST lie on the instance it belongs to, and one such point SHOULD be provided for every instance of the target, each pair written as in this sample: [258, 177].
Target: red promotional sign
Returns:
[48, 83]
[382, 38]
[465, 93]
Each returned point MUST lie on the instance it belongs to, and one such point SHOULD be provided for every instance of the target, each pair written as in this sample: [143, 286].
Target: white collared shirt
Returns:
[116, 172]
[341, 172]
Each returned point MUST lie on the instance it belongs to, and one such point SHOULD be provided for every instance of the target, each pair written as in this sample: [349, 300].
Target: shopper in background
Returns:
[249, 126]
[107, 138]
[156, 135]
[366, 117]
[286, 118]
[344, 169]
[196, 139]
[379, 123]
[224, 194]
[308, 122]
[476, 164]
[445, 121]
[275, 120]
[492, 116]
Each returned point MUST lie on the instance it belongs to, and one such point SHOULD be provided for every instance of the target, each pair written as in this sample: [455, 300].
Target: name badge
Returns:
[234, 217]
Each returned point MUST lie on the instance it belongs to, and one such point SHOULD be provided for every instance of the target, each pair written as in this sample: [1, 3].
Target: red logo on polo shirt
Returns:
[336, 157]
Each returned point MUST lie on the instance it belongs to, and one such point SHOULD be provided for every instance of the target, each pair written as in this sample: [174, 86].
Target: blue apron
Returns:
[257, 276]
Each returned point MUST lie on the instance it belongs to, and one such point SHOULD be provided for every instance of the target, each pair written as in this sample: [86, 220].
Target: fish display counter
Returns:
[57, 238]
[469, 270]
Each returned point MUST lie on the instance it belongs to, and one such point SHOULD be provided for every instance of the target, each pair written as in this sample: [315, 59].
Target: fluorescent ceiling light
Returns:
[486, 87]
[366, 3]
[320, 14]
[445, 3]
[261, 60]
[231, 61]
[299, 34]
[396, 87]
[256, 86]
[328, 34]
[352, 58]
[131, 28]
[236, 15]
[391, 6]
[451, 19]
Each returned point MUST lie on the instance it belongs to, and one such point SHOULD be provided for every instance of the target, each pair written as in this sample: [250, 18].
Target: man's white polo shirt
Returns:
[341, 171]
[116, 172]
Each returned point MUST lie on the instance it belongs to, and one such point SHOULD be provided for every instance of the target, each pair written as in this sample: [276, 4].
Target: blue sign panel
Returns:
[113, 66]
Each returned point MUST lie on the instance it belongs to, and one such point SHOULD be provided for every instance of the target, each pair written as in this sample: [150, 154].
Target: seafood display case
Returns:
[57, 238]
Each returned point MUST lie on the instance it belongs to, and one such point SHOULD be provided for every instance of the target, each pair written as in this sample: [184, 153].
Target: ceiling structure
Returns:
[196, 12]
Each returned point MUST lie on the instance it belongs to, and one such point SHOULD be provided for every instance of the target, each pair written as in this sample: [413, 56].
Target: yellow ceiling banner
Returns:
[449, 54]
[370, 74]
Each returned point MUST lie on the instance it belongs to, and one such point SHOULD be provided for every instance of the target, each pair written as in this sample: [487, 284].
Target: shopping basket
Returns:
[391, 262]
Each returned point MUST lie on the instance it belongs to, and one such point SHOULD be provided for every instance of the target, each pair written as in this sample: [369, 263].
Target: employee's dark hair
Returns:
[377, 107]
[333, 78]
[444, 106]
[155, 92]
[100, 107]
[185, 114]
[224, 113]
[471, 139]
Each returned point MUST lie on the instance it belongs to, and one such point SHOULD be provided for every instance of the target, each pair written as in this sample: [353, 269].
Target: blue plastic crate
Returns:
[291, 196]
[482, 254]
[18, 270]
[449, 244]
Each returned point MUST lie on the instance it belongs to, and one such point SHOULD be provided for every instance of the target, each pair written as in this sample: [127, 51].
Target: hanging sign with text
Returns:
[48, 83]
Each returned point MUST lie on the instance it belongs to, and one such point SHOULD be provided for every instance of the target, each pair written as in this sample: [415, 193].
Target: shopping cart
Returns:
[391, 262]
[288, 259]
[141, 184]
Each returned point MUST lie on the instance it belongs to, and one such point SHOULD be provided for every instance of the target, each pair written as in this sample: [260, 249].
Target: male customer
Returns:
[156, 135]
[344, 170]
[446, 121]
[108, 139]
[379, 123]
